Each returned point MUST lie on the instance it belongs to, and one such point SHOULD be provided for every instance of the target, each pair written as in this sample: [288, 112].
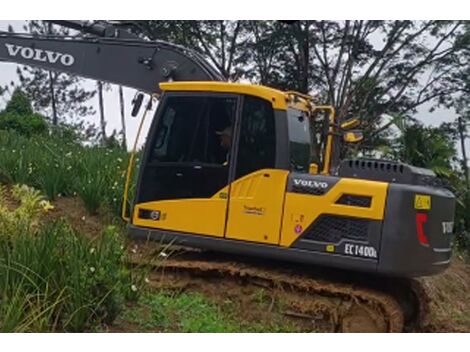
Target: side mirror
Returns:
[313, 169]
[137, 104]
[353, 136]
[350, 123]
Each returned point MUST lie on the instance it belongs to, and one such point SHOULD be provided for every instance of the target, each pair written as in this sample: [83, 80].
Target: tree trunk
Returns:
[462, 130]
[55, 119]
[123, 117]
[101, 106]
[302, 37]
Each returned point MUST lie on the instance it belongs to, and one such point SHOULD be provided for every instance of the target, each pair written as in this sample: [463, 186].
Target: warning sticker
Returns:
[330, 248]
[422, 202]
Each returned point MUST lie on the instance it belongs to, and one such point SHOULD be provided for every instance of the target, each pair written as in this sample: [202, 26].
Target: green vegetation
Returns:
[19, 116]
[55, 159]
[167, 311]
[52, 278]
[63, 167]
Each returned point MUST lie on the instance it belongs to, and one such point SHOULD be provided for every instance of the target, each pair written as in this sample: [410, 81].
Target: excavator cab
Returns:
[276, 190]
[204, 138]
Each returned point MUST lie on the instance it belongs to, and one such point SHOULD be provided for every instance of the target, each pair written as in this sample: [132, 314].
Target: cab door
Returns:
[256, 195]
[185, 168]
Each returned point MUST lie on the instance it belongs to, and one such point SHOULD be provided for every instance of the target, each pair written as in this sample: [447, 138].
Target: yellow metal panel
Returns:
[198, 216]
[276, 97]
[256, 205]
[301, 210]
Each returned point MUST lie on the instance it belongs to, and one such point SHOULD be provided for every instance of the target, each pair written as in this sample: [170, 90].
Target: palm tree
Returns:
[423, 146]
[428, 147]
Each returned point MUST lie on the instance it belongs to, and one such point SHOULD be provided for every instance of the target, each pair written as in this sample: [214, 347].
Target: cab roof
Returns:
[279, 99]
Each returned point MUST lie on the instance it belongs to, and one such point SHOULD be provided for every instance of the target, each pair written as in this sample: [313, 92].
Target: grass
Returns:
[167, 311]
[60, 167]
[55, 279]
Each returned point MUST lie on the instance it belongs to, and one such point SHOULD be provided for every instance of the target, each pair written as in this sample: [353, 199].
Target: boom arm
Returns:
[116, 58]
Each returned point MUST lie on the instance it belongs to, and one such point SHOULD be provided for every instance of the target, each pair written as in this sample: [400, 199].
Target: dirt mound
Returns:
[443, 304]
[330, 300]
[72, 209]
[450, 306]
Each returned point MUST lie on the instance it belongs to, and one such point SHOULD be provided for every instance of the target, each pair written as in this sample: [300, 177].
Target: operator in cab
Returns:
[225, 137]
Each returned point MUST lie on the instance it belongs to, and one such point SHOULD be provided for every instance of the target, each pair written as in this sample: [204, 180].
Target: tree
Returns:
[462, 128]
[57, 95]
[460, 102]
[101, 110]
[266, 56]
[2, 90]
[223, 43]
[429, 147]
[362, 68]
[20, 117]
[123, 117]
[19, 103]
[294, 44]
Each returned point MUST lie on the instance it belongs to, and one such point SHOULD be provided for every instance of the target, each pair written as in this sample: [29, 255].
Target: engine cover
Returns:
[388, 171]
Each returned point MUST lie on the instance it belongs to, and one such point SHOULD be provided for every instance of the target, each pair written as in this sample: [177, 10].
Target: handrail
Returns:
[131, 162]
[329, 140]
[301, 95]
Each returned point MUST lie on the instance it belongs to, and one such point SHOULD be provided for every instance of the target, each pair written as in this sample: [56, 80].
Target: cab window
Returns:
[300, 146]
[189, 147]
[195, 130]
[257, 143]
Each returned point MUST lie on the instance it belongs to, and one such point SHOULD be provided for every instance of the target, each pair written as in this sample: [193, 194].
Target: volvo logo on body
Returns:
[39, 55]
[310, 183]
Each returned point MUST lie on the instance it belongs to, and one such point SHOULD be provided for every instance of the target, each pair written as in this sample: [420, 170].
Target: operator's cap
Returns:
[226, 131]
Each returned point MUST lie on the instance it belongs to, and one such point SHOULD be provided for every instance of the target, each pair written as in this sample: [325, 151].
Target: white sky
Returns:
[112, 112]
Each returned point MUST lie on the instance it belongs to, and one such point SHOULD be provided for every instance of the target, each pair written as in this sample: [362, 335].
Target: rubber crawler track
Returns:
[364, 307]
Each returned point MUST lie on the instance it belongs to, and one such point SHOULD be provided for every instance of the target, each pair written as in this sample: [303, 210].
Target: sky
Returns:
[112, 110]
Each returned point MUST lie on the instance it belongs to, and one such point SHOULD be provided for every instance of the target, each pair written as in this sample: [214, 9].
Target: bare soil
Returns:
[449, 294]
[73, 210]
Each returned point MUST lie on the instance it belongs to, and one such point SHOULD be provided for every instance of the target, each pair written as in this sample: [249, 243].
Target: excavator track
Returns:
[335, 300]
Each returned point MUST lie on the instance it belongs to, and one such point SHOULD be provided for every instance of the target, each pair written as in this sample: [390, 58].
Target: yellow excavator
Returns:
[255, 172]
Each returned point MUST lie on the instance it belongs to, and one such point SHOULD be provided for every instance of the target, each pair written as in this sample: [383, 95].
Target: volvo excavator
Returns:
[254, 173]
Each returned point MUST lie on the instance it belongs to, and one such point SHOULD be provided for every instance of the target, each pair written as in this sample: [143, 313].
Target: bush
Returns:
[25, 125]
[20, 117]
[19, 103]
[53, 279]
[24, 218]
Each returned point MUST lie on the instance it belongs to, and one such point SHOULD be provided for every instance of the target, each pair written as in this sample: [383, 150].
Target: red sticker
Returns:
[298, 229]
[421, 218]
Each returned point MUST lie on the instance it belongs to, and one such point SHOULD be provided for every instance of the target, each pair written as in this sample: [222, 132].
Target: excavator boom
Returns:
[127, 61]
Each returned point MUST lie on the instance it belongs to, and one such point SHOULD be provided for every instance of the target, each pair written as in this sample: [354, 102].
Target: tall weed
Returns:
[54, 279]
